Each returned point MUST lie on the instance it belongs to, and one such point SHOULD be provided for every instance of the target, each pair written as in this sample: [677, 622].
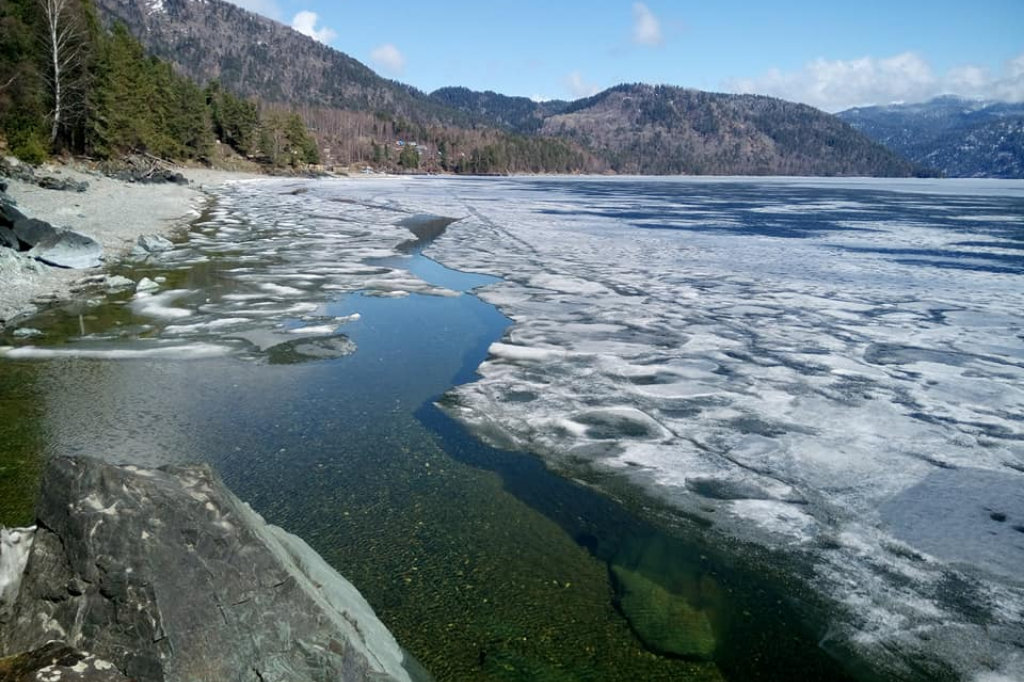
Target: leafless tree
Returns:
[64, 44]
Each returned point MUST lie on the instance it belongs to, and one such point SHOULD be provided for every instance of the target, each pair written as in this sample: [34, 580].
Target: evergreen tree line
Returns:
[67, 84]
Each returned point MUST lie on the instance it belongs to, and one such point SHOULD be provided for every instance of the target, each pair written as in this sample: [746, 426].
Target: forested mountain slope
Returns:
[668, 130]
[520, 114]
[959, 137]
[253, 56]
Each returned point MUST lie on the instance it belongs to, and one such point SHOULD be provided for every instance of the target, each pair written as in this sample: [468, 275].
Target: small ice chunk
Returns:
[146, 284]
[15, 544]
[118, 282]
[513, 353]
[158, 305]
[320, 330]
[194, 351]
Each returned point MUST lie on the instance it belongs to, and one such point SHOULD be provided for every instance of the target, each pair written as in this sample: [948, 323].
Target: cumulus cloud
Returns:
[305, 23]
[834, 85]
[578, 87]
[388, 58]
[646, 27]
[268, 8]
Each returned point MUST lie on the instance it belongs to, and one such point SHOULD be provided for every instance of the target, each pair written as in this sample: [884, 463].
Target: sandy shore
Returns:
[112, 212]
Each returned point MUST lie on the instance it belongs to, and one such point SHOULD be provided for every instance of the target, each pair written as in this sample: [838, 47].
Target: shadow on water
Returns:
[681, 596]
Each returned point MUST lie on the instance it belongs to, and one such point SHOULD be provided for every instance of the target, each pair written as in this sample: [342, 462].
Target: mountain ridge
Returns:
[661, 130]
[254, 63]
[958, 136]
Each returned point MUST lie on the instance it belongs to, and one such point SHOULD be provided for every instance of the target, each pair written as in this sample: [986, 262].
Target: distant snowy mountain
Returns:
[959, 137]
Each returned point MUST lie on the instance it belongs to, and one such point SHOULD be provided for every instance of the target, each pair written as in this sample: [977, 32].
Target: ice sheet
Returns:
[799, 355]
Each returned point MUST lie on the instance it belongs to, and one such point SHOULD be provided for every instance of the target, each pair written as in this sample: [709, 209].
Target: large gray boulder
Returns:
[169, 576]
[68, 249]
[32, 231]
[8, 239]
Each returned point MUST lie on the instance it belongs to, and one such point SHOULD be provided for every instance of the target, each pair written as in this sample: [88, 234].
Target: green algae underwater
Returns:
[483, 563]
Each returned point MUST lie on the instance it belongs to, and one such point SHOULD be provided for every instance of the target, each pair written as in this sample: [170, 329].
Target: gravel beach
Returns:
[112, 212]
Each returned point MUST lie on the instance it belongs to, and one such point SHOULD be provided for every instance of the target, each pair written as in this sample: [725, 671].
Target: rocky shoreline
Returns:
[95, 218]
[163, 574]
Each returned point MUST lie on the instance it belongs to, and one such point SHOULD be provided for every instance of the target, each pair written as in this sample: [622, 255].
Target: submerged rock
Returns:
[664, 621]
[169, 576]
[308, 350]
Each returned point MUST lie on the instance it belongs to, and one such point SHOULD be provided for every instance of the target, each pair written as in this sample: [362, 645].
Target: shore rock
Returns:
[169, 576]
[8, 214]
[31, 231]
[152, 243]
[58, 662]
[68, 249]
[62, 184]
[8, 239]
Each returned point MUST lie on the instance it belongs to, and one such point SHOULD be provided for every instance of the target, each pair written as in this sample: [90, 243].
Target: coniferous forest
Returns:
[69, 85]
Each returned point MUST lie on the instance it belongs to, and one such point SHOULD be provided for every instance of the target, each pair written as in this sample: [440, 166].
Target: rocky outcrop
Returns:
[13, 168]
[56, 246]
[8, 239]
[144, 170]
[169, 576]
[65, 248]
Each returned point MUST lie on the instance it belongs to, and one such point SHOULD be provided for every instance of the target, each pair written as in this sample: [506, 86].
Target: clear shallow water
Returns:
[296, 342]
[735, 362]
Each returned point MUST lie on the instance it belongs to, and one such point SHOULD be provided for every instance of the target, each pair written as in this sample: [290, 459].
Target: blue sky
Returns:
[832, 55]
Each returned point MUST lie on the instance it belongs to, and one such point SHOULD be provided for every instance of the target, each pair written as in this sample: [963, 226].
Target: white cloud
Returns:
[646, 27]
[388, 58]
[268, 8]
[578, 87]
[305, 23]
[907, 77]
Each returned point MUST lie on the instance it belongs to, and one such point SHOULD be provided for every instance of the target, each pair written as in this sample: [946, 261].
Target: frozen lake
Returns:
[824, 378]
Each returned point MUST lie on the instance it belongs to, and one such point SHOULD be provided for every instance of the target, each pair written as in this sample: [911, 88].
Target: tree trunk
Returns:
[64, 47]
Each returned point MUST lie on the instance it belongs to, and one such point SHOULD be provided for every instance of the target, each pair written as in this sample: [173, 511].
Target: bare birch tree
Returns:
[64, 41]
